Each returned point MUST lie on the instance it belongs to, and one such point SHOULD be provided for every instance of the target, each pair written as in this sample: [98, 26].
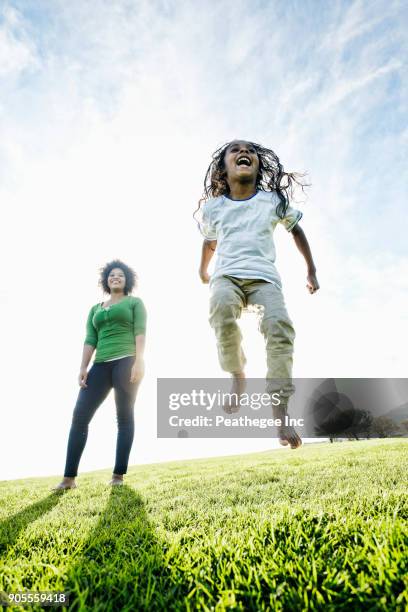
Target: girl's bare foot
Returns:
[116, 480]
[288, 436]
[238, 386]
[66, 483]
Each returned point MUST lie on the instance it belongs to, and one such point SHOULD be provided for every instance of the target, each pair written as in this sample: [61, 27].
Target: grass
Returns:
[321, 528]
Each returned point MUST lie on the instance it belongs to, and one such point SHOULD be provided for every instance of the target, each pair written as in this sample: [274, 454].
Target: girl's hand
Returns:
[83, 375]
[312, 283]
[137, 372]
[205, 277]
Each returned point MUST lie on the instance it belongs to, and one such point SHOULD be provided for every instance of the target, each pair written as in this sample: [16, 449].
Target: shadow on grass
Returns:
[11, 527]
[122, 566]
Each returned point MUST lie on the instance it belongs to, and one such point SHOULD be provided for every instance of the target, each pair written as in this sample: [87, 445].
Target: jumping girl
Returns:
[246, 194]
[116, 329]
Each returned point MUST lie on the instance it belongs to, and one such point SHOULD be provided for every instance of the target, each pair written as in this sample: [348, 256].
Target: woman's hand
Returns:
[137, 372]
[83, 375]
[312, 282]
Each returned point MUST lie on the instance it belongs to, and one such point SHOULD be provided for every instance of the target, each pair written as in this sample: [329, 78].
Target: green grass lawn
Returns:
[321, 528]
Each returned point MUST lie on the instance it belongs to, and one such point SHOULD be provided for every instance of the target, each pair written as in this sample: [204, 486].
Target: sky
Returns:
[109, 114]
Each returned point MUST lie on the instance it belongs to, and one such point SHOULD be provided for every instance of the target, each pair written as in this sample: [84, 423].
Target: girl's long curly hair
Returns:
[271, 177]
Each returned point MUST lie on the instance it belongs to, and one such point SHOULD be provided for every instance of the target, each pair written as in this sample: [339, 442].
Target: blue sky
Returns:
[109, 112]
[315, 80]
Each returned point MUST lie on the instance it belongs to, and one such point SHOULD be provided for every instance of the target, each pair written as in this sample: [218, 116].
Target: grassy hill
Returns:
[321, 528]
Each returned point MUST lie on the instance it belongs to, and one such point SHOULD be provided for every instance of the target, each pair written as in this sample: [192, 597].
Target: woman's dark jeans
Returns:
[101, 378]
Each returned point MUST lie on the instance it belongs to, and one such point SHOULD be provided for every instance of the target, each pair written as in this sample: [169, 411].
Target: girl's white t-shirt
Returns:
[244, 230]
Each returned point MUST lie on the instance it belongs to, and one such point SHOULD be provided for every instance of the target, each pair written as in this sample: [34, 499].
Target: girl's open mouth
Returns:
[244, 160]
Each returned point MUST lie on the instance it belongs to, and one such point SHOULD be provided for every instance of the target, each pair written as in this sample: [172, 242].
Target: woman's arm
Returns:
[87, 353]
[91, 340]
[139, 330]
[138, 367]
[207, 253]
[303, 246]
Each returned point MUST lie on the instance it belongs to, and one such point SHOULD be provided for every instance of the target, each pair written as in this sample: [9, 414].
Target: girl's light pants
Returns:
[228, 297]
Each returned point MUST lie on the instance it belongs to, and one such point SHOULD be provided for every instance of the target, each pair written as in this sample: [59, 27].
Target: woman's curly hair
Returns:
[130, 275]
[271, 177]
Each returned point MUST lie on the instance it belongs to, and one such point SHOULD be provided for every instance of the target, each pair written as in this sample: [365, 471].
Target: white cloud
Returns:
[355, 20]
[17, 52]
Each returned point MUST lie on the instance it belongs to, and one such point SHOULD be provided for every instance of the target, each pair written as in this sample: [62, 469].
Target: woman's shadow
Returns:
[14, 525]
[122, 565]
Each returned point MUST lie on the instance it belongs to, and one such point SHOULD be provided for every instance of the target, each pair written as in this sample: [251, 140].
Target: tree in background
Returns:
[383, 426]
[404, 426]
[361, 426]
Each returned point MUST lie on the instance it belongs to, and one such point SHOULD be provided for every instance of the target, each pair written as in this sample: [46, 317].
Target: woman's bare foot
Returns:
[66, 483]
[116, 480]
[238, 386]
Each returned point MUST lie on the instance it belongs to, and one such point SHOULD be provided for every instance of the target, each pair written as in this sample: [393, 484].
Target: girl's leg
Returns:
[226, 302]
[125, 397]
[277, 329]
[89, 399]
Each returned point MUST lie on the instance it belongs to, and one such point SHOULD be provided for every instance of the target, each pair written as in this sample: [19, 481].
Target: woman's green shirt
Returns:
[112, 330]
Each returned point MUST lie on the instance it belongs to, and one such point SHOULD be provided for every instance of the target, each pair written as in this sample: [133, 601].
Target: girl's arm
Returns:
[87, 353]
[207, 252]
[303, 246]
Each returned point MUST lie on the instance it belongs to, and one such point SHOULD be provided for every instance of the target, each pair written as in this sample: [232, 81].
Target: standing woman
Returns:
[116, 329]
